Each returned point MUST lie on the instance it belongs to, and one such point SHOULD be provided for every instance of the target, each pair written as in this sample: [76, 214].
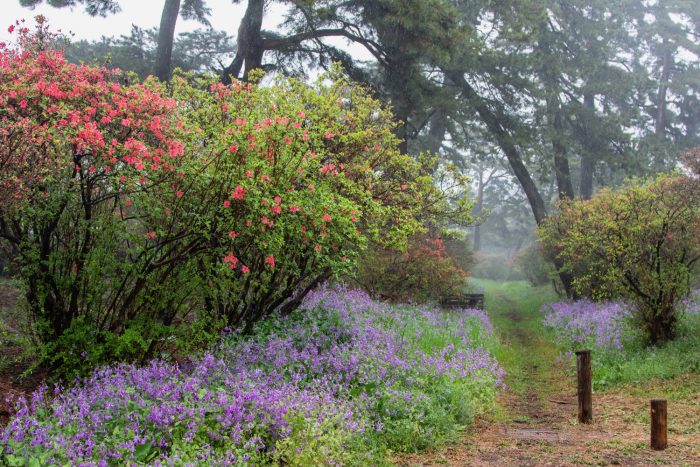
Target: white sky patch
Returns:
[145, 14]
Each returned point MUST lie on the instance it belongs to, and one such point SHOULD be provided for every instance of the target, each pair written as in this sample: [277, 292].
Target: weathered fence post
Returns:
[659, 441]
[585, 387]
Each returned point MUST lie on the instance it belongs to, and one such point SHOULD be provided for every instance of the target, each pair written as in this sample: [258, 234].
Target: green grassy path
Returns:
[528, 354]
[535, 423]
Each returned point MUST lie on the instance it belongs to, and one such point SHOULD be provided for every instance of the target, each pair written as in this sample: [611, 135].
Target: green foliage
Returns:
[425, 271]
[531, 263]
[83, 346]
[497, 267]
[639, 242]
[638, 365]
[319, 443]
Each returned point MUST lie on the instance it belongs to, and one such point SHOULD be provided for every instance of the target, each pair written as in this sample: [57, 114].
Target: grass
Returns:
[641, 364]
[526, 351]
[514, 309]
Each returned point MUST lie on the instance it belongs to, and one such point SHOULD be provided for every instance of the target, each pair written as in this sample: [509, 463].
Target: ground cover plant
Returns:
[620, 353]
[339, 383]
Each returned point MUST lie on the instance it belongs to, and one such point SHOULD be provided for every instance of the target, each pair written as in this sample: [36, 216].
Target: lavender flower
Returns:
[585, 322]
[345, 364]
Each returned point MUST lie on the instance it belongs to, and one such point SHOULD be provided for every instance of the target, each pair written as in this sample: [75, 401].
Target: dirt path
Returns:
[537, 423]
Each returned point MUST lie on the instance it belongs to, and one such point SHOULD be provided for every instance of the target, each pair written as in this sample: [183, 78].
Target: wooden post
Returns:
[585, 387]
[659, 441]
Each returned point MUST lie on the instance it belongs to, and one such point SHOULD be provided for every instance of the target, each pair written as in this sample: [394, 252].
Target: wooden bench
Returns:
[472, 300]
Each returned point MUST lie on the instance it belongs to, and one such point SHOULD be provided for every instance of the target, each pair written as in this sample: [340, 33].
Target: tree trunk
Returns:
[249, 43]
[587, 157]
[478, 209]
[661, 325]
[504, 140]
[660, 118]
[438, 127]
[166, 35]
[561, 160]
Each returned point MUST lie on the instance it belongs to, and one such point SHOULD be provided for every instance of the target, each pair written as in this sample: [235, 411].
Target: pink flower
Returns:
[11, 28]
[271, 261]
[294, 209]
[326, 218]
[328, 135]
[318, 248]
[238, 193]
[178, 194]
[278, 200]
[227, 204]
[276, 210]
[245, 270]
[230, 258]
[233, 148]
[151, 235]
[232, 234]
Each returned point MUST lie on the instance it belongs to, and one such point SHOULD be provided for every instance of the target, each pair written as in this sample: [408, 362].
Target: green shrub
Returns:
[639, 242]
[424, 272]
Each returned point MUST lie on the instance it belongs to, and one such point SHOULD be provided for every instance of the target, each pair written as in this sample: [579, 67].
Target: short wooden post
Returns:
[659, 441]
[585, 387]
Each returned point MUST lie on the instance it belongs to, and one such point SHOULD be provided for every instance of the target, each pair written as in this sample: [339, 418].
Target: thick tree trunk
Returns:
[661, 325]
[438, 128]
[249, 43]
[166, 35]
[478, 209]
[561, 160]
[505, 142]
[587, 157]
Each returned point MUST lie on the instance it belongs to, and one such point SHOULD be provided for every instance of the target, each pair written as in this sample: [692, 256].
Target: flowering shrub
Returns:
[425, 271]
[587, 324]
[76, 148]
[125, 207]
[330, 385]
[640, 243]
[297, 179]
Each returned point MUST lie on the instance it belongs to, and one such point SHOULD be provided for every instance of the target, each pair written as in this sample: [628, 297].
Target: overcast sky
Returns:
[146, 14]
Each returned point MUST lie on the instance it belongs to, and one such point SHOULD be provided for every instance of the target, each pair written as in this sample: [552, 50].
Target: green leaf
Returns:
[14, 461]
[142, 450]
